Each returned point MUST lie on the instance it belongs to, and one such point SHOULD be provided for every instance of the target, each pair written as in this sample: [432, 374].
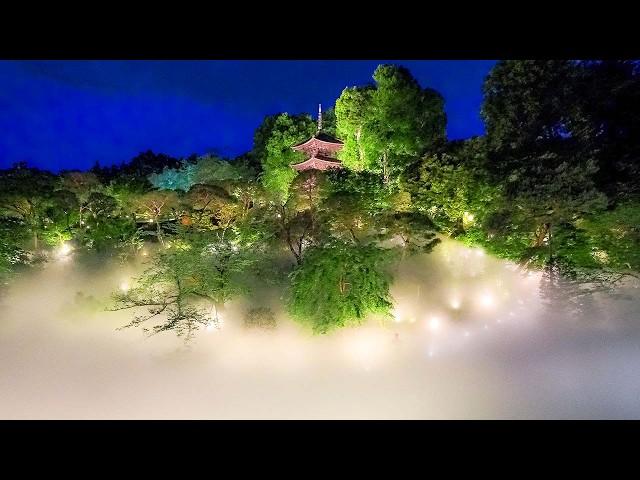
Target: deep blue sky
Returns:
[68, 114]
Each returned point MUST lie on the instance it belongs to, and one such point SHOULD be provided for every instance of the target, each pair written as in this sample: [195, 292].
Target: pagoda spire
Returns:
[319, 117]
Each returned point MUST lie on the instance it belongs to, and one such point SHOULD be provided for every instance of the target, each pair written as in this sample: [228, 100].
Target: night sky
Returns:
[68, 114]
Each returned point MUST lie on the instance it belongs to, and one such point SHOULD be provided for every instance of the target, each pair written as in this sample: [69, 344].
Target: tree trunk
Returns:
[385, 168]
[159, 232]
[541, 233]
[360, 149]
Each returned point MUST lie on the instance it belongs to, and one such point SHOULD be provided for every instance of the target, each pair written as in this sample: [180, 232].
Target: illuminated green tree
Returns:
[25, 194]
[339, 285]
[184, 283]
[453, 188]
[383, 127]
[272, 146]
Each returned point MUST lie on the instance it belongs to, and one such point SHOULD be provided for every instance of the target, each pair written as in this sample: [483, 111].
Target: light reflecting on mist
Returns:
[469, 338]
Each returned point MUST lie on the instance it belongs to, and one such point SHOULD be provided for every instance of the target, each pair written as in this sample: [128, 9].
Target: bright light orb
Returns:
[455, 303]
[486, 300]
[434, 324]
[124, 286]
[468, 217]
[64, 251]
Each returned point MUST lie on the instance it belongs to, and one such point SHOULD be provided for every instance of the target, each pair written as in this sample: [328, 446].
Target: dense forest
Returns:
[553, 185]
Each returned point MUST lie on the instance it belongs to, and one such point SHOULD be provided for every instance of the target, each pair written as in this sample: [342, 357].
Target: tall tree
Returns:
[529, 102]
[182, 281]
[609, 104]
[339, 285]
[385, 125]
[25, 193]
[272, 145]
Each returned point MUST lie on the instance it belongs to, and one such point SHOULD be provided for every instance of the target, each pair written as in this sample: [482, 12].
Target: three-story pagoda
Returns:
[320, 149]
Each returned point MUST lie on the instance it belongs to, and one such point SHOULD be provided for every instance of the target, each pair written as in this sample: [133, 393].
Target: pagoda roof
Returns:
[318, 137]
[317, 162]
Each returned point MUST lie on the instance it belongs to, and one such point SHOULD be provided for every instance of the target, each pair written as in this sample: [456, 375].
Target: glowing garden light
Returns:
[124, 286]
[434, 324]
[63, 251]
[467, 218]
[486, 300]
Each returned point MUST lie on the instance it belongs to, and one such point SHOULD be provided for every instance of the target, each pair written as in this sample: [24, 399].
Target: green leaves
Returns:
[339, 285]
[194, 271]
[272, 146]
[383, 126]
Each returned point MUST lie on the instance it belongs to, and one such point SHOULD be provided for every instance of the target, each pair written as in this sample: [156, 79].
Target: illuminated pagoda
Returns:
[320, 150]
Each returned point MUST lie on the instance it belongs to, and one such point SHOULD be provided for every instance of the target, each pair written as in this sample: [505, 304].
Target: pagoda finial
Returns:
[319, 117]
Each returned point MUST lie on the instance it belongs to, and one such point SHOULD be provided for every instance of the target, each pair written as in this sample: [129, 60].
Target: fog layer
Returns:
[471, 339]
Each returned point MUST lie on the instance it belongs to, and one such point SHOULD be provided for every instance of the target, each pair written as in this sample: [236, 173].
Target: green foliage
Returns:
[193, 267]
[415, 231]
[353, 112]
[110, 234]
[174, 178]
[339, 285]
[614, 236]
[12, 255]
[272, 146]
[207, 170]
[25, 194]
[452, 188]
[385, 125]
[528, 102]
